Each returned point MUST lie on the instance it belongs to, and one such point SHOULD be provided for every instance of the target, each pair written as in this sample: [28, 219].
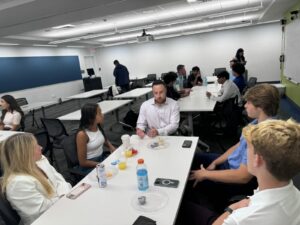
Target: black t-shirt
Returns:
[172, 93]
[191, 79]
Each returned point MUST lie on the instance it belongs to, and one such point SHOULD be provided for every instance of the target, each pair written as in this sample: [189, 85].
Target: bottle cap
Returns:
[140, 161]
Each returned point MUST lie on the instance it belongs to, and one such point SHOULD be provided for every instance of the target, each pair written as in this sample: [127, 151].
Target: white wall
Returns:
[50, 92]
[261, 43]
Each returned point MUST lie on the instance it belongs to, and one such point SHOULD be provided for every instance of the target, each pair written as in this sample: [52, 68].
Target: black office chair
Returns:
[8, 216]
[21, 101]
[70, 152]
[43, 140]
[162, 76]
[251, 82]
[57, 132]
[218, 70]
[151, 78]
[225, 120]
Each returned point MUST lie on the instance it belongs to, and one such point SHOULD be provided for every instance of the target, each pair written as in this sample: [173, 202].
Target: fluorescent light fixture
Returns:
[9, 44]
[191, 1]
[13, 3]
[63, 26]
[40, 45]
[74, 46]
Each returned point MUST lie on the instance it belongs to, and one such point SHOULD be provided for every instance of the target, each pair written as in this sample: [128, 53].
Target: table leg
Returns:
[190, 121]
[117, 115]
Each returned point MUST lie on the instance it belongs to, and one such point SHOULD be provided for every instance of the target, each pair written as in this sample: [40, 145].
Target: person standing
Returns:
[122, 76]
[239, 56]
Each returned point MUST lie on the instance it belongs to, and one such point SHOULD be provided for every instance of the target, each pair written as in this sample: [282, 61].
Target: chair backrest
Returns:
[54, 127]
[162, 76]
[70, 150]
[151, 77]
[219, 70]
[43, 140]
[21, 101]
[7, 213]
[251, 82]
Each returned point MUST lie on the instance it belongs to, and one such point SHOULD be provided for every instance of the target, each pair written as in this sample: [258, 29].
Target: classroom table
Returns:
[134, 94]
[31, 107]
[117, 203]
[106, 107]
[4, 134]
[87, 94]
[197, 101]
[211, 79]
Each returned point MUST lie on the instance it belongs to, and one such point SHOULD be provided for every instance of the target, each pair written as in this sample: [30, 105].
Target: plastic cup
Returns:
[128, 153]
[125, 140]
[122, 164]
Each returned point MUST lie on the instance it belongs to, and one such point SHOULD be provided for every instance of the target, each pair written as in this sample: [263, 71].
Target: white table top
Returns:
[135, 93]
[88, 94]
[211, 79]
[36, 105]
[149, 85]
[197, 100]
[279, 85]
[106, 107]
[5, 134]
[113, 205]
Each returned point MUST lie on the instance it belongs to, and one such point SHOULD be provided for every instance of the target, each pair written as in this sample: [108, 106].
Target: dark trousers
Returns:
[208, 199]
[124, 88]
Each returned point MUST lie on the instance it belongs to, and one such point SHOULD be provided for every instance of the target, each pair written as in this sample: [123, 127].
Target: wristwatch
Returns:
[228, 209]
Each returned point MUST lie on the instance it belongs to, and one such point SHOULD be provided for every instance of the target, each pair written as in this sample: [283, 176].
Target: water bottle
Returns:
[142, 175]
[101, 175]
[204, 81]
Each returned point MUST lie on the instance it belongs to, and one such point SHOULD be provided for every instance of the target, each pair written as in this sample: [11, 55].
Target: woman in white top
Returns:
[30, 183]
[90, 137]
[11, 113]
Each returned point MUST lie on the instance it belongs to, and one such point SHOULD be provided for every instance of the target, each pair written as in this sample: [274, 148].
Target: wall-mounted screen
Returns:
[19, 73]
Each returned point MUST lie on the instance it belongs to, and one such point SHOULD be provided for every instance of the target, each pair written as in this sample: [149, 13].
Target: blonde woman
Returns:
[30, 183]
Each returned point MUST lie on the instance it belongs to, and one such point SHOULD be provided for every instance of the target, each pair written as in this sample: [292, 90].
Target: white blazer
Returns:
[27, 196]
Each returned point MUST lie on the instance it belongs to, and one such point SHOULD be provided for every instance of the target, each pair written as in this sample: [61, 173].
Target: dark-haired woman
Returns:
[11, 113]
[91, 138]
[239, 56]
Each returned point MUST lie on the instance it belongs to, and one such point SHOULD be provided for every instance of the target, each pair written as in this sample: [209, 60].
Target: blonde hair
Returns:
[17, 158]
[278, 142]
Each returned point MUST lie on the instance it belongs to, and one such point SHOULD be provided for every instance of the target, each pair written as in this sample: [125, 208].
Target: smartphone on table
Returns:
[165, 182]
[187, 144]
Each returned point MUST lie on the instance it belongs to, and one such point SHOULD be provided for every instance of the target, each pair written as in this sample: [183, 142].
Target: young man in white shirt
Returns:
[228, 89]
[158, 115]
[274, 158]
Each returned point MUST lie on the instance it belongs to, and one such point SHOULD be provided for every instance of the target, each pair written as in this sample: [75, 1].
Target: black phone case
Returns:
[143, 220]
[187, 144]
[164, 182]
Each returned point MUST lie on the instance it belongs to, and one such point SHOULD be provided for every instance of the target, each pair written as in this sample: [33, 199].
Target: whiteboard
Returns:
[292, 51]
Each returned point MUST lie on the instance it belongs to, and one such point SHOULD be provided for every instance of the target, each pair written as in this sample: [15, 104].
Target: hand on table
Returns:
[152, 132]
[140, 133]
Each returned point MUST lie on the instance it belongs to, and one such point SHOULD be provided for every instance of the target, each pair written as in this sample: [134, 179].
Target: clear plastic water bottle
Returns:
[205, 81]
[142, 175]
[102, 180]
